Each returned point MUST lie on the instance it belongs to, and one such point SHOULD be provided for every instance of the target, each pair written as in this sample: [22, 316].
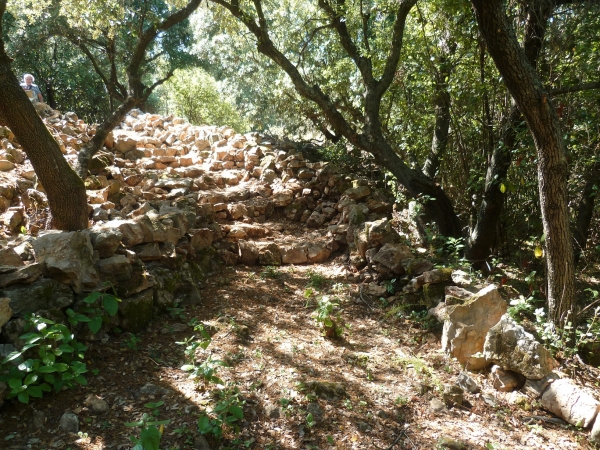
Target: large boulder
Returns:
[466, 326]
[511, 347]
[68, 257]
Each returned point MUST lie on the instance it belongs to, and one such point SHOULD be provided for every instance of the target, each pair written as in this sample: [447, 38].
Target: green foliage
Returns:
[96, 309]
[151, 429]
[194, 94]
[51, 357]
[227, 411]
[206, 370]
[316, 280]
[328, 317]
[270, 272]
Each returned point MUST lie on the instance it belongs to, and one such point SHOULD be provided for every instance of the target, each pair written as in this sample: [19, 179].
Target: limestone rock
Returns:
[294, 254]
[248, 252]
[511, 347]
[9, 257]
[105, 240]
[594, 434]
[115, 268]
[44, 293]
[317, 252]
[571, 402]
[68, 257]
[467, 383]
[25, 274]
[373, 234]
[392, 255]
[135, 313]
[417, 266]
[466, 327]
[268, 254]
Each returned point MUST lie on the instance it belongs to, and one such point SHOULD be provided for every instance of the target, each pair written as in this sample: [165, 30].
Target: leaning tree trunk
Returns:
[91, 148]
[542, 120]
[65, 190]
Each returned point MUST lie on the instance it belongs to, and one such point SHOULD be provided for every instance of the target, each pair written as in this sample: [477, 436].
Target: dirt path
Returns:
[372, 388]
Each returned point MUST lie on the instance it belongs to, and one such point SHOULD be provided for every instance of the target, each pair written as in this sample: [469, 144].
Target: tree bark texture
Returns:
[442, 120]
[65, 190]
[525, 87]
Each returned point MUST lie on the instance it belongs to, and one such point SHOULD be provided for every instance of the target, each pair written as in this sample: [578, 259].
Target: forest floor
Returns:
[375, 387]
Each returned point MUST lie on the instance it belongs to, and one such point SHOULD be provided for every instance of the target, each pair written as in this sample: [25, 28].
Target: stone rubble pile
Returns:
[480, 334]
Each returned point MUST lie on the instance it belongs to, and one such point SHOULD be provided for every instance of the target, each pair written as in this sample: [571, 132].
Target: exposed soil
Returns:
[369, 389]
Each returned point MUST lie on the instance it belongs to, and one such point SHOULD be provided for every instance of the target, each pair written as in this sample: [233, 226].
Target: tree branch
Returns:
[574, 88]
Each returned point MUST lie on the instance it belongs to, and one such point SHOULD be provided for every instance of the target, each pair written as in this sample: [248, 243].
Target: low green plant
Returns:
[328, 318]
[177, 312]
[225, 414]
[95, 310]
[271, 272]
[132, 342]
[316, 280]
[51, 357]
[205, 371]
[310, 421]
[151, 428]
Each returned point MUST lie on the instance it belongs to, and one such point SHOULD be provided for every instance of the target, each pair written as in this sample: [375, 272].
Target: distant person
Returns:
[32, 90]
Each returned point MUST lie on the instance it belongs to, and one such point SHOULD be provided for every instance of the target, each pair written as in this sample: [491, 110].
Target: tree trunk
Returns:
[65, 190]
[483, 235]
[525, 87]
[436, 204]
[91, 148]
[442, 120]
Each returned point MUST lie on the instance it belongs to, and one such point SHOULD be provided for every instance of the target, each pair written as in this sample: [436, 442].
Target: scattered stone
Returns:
[452, 395]
[96, 405]
[69, 422]
[437, 405]
[465, 382]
